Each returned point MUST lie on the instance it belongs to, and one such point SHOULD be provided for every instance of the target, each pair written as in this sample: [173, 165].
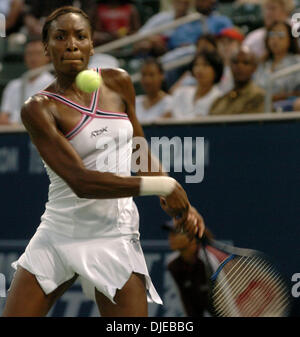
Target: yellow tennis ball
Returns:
[88, 80]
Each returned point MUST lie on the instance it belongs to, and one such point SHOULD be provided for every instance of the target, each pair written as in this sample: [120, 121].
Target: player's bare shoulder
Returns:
[37, 110]
[111, 75]
[119, 80]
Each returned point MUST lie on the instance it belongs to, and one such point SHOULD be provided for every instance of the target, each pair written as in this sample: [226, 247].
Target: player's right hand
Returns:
[176, 204]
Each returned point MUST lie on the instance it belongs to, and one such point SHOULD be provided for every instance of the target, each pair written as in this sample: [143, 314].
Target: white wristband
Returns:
[159, 185]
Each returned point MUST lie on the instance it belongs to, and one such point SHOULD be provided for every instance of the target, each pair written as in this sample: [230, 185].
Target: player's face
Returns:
[70, 43]
[151, 78]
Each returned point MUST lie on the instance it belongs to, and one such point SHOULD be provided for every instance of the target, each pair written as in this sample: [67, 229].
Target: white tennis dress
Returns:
[96, 239]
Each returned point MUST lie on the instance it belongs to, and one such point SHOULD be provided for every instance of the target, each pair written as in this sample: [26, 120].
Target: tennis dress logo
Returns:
[99, 132]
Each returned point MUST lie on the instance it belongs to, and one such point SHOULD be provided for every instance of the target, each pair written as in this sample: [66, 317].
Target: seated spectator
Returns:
[188, 270]
[211, 23]
[195, 101]
[273, 11]
[229, 41]
[114, 19]
[156, 102]
[205, 42]
[246, 96]
[295, 106]
[283, 51]
[156, 45]
[34, 57]
[181, 43]
[37, 11]
[165, 5]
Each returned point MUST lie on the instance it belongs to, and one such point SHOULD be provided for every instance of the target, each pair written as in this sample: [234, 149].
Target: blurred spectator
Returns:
[295, 106]
[205, 42]
[273, 11]
[165, 5]
[195, 101]
[212, 23]
[189, 272]
[156, 45]
[37, 11]
[156, 102]
[12, 9]
[283, 51]
[246, 97]
[114, 19]
[34, 57]
[182, 42]
[229, 41]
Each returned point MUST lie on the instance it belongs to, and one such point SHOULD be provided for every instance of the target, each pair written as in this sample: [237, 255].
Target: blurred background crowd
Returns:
[216, 65]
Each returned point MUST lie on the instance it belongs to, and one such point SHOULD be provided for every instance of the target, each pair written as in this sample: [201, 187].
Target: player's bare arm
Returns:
[119, 81]
[58, 153]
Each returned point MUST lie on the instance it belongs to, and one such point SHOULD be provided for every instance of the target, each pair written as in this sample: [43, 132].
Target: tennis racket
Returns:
[243, 283]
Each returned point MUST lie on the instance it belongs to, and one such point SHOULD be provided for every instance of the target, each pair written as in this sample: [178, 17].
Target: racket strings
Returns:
[265, 269]
[255, 301]
[247, 286]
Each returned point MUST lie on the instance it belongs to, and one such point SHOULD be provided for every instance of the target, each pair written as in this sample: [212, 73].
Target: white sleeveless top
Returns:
[103, 140]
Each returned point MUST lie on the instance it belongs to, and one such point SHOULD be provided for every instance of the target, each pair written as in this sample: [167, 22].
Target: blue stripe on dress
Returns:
[86, 118]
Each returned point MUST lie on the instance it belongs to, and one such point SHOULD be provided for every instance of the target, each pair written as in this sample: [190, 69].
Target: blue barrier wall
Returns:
[249, 194]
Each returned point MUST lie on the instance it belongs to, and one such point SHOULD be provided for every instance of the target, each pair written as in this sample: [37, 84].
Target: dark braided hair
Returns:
[61, 11]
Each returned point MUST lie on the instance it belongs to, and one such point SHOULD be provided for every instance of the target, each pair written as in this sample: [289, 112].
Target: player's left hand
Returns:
[193, 225]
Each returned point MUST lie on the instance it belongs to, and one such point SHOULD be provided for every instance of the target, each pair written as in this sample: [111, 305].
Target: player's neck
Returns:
[64, 83]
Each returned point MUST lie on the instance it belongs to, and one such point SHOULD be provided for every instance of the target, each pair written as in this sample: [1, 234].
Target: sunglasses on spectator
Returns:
[277, 34]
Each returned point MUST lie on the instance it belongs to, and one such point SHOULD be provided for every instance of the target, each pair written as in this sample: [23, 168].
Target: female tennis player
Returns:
[90, 227]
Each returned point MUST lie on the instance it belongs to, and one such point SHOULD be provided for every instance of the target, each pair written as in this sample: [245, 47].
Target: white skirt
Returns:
[102, 263]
